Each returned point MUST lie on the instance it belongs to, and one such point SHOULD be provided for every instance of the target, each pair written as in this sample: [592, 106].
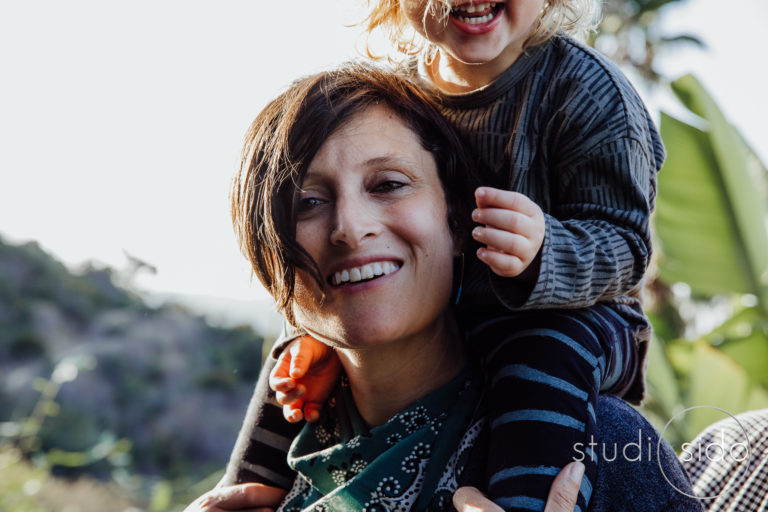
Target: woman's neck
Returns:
[387, 379]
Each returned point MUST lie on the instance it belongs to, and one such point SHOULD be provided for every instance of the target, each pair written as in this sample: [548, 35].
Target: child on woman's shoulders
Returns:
[568, 158]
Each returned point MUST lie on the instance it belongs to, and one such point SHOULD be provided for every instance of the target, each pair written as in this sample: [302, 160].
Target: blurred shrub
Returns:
[25, 488]
[94, 383]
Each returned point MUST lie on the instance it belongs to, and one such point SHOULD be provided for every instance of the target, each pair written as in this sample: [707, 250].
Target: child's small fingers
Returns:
[299, 366]
[292, 414]
[504, 241]
[282, 398]
[507, 220]
[283, 385]
[312, 411]
[290, 397]
[505, 265]
[281, 370]
[489, 197]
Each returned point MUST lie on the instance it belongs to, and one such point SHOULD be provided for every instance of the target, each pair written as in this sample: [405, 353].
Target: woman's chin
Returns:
[366, 337]
[355, 335]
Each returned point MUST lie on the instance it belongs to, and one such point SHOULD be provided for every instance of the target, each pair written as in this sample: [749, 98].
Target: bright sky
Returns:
[121, 122]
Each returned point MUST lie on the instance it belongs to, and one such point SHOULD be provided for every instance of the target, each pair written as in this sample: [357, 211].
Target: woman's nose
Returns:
[353, 223]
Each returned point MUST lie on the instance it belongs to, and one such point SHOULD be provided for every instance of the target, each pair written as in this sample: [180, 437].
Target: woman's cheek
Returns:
[306, 294]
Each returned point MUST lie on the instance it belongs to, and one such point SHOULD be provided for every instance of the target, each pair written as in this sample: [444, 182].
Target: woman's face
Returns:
[371, 212]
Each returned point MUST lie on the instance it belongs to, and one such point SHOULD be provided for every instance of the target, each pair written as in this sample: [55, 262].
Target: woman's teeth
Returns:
[369, 271]
[475, 14]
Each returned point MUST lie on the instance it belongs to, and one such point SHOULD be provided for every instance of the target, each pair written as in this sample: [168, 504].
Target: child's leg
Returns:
[260, 453]
[545, 369]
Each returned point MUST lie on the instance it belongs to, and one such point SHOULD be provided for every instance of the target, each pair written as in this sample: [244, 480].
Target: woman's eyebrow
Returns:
[384, 160]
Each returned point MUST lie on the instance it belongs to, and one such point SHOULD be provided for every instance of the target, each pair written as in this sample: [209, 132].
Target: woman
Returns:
[352, 171]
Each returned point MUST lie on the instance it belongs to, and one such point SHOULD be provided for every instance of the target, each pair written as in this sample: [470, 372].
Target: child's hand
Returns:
[513, 231]
[303, 378]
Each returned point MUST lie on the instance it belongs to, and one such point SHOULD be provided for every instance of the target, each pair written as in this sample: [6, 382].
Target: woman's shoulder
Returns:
[638, 469]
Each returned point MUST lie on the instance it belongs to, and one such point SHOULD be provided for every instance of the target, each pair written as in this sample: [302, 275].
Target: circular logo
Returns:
[715, 447]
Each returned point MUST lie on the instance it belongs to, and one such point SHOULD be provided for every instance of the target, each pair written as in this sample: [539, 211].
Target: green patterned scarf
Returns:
[412, 462]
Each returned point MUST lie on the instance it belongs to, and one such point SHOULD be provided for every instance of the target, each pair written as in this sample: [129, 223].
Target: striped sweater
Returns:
[566, 128]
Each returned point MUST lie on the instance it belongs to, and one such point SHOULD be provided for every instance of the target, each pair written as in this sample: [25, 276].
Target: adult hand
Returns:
[244, 498]
[562, 495]
[565, 489]
[513, 232]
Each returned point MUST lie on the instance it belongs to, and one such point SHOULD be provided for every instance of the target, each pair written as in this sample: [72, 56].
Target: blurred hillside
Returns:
[94, 381]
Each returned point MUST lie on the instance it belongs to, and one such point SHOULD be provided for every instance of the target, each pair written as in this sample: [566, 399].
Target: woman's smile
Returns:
[352, 273]
[371, 213]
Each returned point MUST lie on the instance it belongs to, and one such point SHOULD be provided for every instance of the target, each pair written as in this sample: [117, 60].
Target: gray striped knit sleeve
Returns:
[597, 242]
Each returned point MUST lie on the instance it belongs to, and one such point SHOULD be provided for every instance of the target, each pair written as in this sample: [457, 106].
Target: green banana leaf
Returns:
[711, 379]
[712, 204]
[664, 395]
[744, 338]
[716, 380]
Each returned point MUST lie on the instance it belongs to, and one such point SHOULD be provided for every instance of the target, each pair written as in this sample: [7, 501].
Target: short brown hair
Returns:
[283, 140]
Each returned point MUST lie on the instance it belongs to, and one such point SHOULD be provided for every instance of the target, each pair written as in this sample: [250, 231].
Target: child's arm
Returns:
[562, 495]
[261, 449]
[304, 376]
[595, 244]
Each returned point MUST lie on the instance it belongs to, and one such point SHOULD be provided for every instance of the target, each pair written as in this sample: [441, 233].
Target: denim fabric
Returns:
[626, 484]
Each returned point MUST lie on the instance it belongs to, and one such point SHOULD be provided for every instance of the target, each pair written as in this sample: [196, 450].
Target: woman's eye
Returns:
[388, 186]
[308, 203]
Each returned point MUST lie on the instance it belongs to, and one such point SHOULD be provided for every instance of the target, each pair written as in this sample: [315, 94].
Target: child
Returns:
[568, 156]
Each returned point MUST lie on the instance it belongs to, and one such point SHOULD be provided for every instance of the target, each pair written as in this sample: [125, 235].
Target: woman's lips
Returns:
[478, 17]
[365, 272]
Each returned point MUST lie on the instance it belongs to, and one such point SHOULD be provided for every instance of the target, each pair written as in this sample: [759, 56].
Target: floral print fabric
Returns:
[412, 462]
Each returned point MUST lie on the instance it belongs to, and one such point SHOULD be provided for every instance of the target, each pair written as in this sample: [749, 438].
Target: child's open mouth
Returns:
[476, 13]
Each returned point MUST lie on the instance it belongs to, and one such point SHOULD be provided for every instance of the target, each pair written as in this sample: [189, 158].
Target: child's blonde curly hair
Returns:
[573, 17]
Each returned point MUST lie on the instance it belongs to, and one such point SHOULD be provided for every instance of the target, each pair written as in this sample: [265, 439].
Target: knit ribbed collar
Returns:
[495, 89]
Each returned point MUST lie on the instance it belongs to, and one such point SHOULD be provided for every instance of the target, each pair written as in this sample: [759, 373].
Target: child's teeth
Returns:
[354, 275]
[463, 10]
[377, 270]
[476, 21]
[470, 8]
